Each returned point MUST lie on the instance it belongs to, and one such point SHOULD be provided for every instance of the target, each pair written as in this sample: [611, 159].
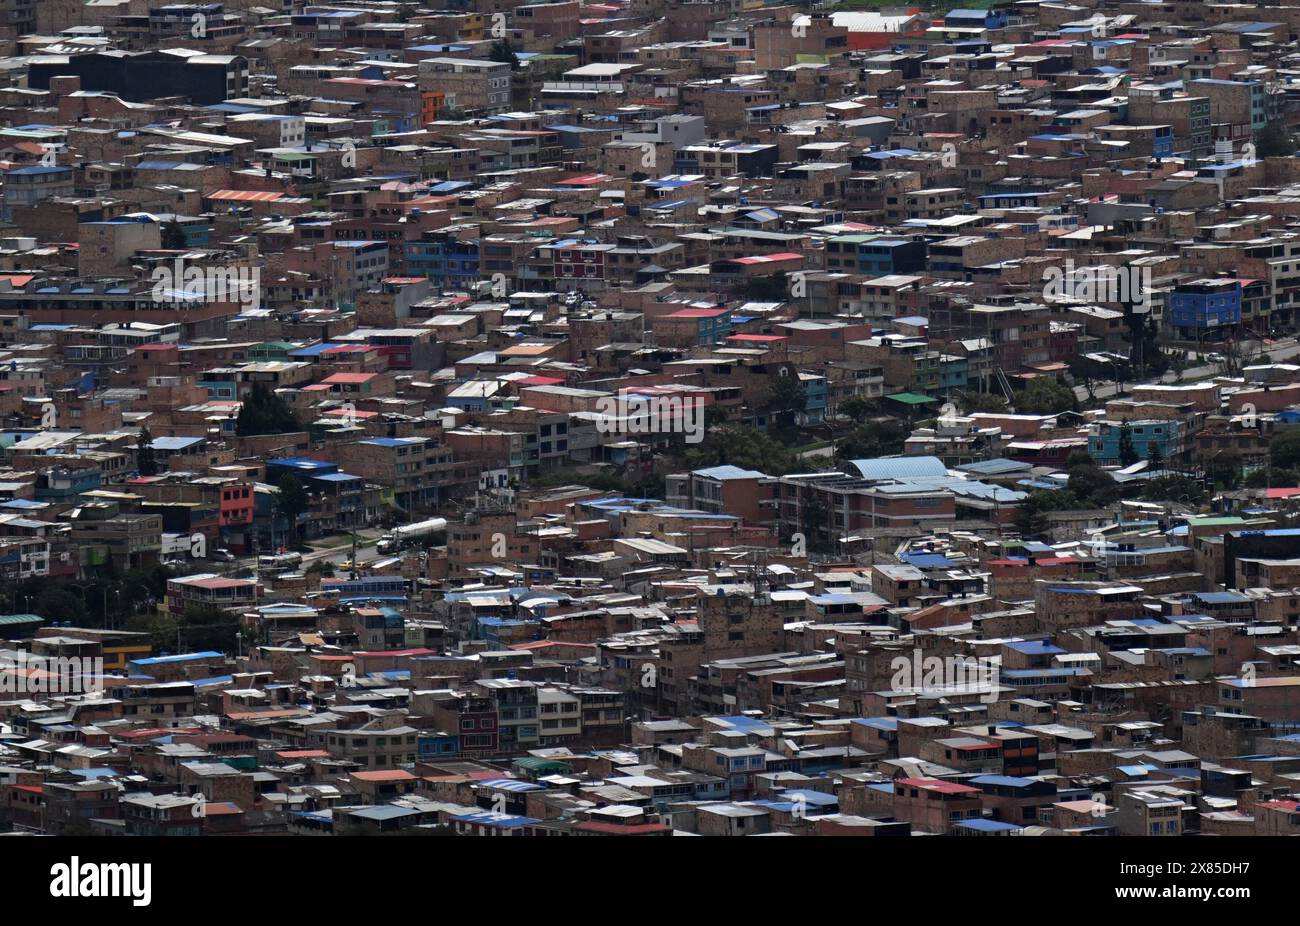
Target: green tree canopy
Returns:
[1128, 454]
[971, 402]
[264, 412]
[1174, 487]
[1031, 513]
[145, 462]
[873, 439]
[788, 397]
[856, 407]
[172, 235]
[291, 501]
[769, 288]
[1273, 141]
[743, 446]
[1045, 396]
[1089, 373]
[1284, 449]
[1092, 486]
[503, 50]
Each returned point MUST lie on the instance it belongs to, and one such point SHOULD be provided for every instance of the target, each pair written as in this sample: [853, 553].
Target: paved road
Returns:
[1277, 351]
[366, 551]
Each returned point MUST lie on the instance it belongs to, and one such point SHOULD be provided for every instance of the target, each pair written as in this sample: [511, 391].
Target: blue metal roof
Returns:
[724, 473]
[1035, 648]
[495, 819]
[181, 657]
[928, 560]
[510, 784]
[1005, 781]
[988, 826]
[901, 468]
[1221, 597]
[745, 724]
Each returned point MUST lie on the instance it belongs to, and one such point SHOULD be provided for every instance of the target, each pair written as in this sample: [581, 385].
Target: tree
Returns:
[1234, 357]
[1090, 372]
[814, 517]
[971, 402]
[855, 407]
[207, 628]
[769, 288]
[1145, 355]
[264, 412]
[503, 50]
[1272, 477]
[745, 447]
[1179, 364]
[788, 398]
[291, 501]
[1155, 457]
[1128, 454]
[1045, 396]
[56, 602]
[1224, 472]
[145, 463]
[1031, 514]
[874, 439]
[1284, 449]
[1174, 487]
[172, 235]
[1031, 520]
[1087, 373]
[1273, 141]
[1092, 486]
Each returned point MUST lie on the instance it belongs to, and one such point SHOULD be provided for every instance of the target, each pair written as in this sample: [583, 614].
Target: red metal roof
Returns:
[935, 784]
[247, 196]
[698, 313]
[769, 258]
[392, 774]
[584, 180]
[399, 652]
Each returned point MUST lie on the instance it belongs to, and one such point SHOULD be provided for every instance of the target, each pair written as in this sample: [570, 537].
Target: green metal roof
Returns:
[537, 764]
[910, 398]
[9, 619]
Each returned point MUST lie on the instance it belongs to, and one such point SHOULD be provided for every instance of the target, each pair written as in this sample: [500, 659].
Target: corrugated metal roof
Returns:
[901, 468]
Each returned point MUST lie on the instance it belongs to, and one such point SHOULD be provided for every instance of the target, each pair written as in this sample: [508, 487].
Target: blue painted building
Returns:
[874, 254]
[1103, 443]
[975, 19]
[445, 259]
[436, 746]
[1205, 304]
[815, 392]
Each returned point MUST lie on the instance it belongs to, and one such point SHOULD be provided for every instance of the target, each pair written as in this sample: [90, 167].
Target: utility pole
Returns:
[354, 552]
